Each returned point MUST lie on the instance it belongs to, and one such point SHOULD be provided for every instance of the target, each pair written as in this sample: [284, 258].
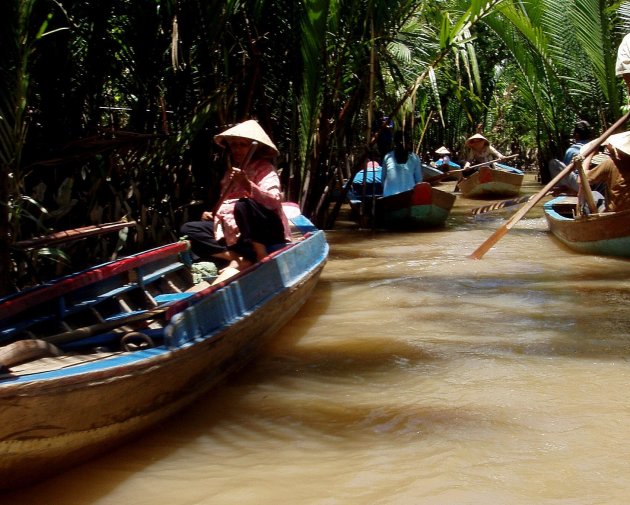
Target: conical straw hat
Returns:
[475, 137]
[442, 150]
[619, 142]
[247, 130]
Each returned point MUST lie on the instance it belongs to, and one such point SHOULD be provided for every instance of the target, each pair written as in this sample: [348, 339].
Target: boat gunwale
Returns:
[135, 361]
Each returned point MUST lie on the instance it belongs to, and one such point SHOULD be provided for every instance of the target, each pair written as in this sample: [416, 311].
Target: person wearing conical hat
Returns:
[614, 173]
[622, 65]
[478, 150]
[248, 217]
[444, 161]
[443, 151]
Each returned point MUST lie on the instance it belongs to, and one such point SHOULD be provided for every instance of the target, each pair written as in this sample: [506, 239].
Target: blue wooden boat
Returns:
[604, 233]
[450, 165]
[449, 169]
[493, 182]
[91, 359]
[430, 173]
[423, 206]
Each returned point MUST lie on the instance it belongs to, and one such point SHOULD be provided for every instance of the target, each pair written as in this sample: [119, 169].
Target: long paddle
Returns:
[27, 350]
[502, 158]
[105, 326]
[500, 232]
[584, 185]
[460, 170]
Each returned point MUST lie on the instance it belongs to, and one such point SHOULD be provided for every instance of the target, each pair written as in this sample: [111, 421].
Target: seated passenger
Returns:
[401, 168]
[248, 216]
[444, 161]
[570, 183]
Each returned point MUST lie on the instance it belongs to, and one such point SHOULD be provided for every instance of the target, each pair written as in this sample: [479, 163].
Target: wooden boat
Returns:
[447, 168]
[605, 233]
[421, 207]
[430, 173]
[91, 359]
[488, 182]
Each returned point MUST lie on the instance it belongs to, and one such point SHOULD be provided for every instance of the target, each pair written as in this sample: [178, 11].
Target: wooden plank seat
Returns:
[99, 287]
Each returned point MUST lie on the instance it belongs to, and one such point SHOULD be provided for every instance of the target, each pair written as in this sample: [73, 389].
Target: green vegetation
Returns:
[108, 107]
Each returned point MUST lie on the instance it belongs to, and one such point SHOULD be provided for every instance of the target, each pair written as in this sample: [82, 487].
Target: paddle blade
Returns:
[489, 243]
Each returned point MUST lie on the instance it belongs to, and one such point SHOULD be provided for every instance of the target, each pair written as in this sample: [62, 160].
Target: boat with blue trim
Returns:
[89, 360]
[602, 233]
[423, 206]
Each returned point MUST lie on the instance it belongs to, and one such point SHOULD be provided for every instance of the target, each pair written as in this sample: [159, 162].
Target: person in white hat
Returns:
[478, 150]
[248, 217]
[444, 162]
[614, 172]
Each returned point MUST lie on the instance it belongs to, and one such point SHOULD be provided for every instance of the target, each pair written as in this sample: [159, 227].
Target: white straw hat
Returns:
[619, 142]
[442, 150]
[477, 136]
[247, 130]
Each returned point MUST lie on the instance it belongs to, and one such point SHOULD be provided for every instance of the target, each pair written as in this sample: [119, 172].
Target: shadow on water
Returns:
[463, 312]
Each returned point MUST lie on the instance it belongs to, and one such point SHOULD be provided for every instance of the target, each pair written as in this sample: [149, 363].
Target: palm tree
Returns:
[122, 99]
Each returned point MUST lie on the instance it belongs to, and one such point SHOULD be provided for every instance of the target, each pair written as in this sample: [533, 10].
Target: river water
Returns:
[414, 375]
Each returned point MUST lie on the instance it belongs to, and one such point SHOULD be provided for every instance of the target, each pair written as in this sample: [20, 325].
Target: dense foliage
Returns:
[108, 107]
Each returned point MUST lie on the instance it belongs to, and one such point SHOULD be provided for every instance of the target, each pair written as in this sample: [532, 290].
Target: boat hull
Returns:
[491, 183]
[606, 234]
[67, 415]
[423, 206]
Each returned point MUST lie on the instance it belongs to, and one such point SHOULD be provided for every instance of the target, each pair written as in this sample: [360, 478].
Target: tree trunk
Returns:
[5, 260]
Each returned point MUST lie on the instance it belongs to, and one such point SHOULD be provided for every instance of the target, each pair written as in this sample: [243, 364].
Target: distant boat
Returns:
[429, 173]
[93, 358]
[420, 207]
[451, 165]
[497, 182]
[446, 167]
[605, 233]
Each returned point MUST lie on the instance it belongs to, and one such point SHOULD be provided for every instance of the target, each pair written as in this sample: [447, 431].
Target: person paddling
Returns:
[478, 151]
[248, 217]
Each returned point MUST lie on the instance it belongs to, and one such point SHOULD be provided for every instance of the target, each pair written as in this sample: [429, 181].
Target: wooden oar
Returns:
[74, 234]
[22, 351]
[496, 236]
[460, 170]
[228, 187]
[503, 158]
[501, 205]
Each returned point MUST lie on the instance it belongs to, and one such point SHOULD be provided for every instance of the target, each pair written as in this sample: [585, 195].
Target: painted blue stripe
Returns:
[235, 301]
